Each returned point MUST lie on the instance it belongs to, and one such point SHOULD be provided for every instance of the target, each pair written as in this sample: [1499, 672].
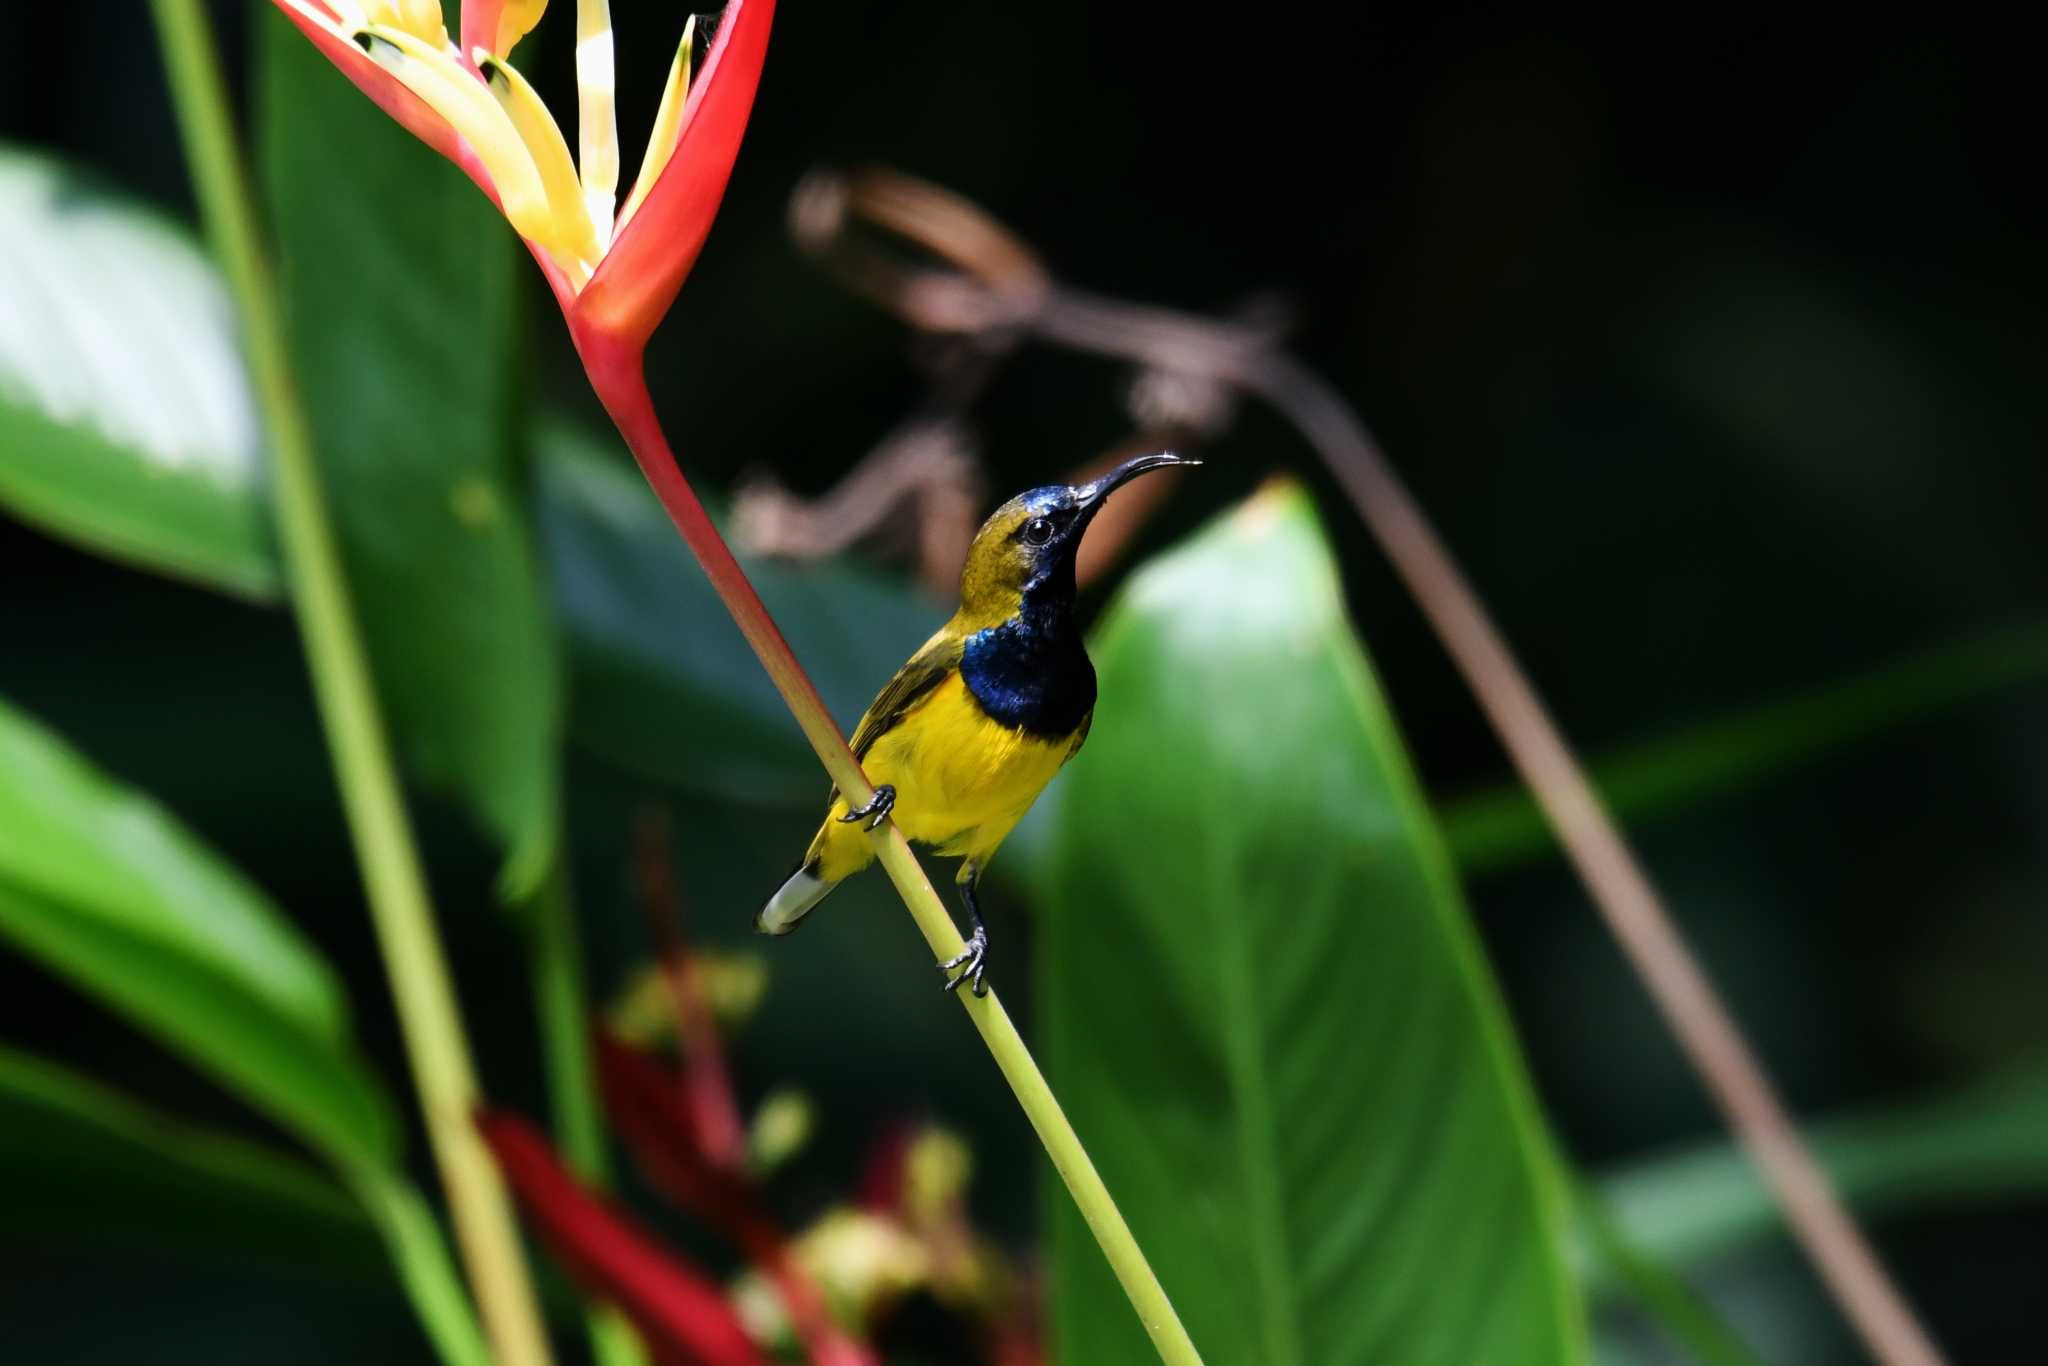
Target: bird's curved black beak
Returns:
[1090, 496]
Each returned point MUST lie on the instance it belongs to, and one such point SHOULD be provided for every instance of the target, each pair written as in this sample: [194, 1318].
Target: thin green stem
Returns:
[485, 1227]
[556, 951]
[557, 970]
[616, 371]
[1042, 1108]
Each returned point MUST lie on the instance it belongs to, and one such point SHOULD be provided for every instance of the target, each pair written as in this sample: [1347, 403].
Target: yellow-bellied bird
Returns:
[969, 732]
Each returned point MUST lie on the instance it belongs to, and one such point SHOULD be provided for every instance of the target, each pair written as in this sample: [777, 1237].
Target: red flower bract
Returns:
[614, 267]
[683, 1313]
[645, 268]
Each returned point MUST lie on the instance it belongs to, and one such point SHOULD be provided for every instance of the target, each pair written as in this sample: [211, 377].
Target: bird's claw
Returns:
[972, 962]
[878, 808]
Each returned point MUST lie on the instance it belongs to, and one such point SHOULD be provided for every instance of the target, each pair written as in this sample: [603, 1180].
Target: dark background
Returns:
[1712, 339]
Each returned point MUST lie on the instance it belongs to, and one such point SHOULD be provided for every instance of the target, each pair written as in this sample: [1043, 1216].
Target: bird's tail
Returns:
[837, 852]
[787, 908]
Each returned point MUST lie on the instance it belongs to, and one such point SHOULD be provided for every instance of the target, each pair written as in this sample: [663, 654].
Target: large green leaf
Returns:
[400, 289]
[664, 682]
[1263, 1002]
[71, 837]
[125, 417]
[106, 890]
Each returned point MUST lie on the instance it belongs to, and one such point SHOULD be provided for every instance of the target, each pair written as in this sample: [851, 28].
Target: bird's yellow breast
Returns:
[962, 780]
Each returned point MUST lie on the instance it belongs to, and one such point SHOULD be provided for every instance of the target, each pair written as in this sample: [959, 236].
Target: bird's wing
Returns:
[928, 668]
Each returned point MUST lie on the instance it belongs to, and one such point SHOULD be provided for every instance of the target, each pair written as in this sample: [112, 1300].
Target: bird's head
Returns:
[1025, 550]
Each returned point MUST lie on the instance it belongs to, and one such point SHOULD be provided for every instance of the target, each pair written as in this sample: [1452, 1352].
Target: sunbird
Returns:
[968, 733]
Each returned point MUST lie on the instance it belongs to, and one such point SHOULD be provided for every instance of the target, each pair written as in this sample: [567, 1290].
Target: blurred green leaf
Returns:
[79, 1160]
[665, 684]
[1686, 1317]
[399, 286]
[1501, 828]
[1691, 1207]
[125, 418]
[104, 889]
[1264, 1005]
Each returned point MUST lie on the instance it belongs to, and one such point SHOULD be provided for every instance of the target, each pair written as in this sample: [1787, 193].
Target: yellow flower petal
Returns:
[668, 122]
[549, 153]
[421, 18]
[451, 91]
[597, 119]
[515, 21]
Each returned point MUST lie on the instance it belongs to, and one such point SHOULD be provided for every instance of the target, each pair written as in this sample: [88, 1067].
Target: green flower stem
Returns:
[616, 371]
[485, 1227]
[556, 953]
[1042, 1108]
[565, 1026]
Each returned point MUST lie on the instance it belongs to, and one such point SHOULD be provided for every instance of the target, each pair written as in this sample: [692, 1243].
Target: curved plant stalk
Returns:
[485, 1228]
[617, 372]
[965, 297]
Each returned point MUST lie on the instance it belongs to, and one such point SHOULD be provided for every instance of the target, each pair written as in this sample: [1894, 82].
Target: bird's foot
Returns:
[878, 808]
[972, 962]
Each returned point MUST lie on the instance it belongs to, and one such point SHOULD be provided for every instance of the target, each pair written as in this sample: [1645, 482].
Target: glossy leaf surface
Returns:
[126, 423]
[1264, 1005]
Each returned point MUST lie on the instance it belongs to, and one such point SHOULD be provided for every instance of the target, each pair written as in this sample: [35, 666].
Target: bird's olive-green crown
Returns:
[1026, 549]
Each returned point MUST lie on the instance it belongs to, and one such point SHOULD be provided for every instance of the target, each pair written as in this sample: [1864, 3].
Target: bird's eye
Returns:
[1037, 531]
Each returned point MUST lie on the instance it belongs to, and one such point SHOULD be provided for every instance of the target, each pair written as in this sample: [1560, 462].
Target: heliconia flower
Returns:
[614, 266]
[684, 1314]
[655, 1116]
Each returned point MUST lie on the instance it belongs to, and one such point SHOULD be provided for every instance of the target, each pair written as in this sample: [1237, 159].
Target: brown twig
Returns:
[941, 300]
[922, 467]
[926, 460]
